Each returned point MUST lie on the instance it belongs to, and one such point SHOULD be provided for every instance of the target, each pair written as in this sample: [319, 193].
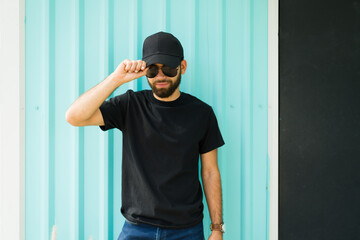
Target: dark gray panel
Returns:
[319, 59]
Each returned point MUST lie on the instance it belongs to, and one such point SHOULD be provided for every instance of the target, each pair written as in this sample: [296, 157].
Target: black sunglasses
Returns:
[154, 70]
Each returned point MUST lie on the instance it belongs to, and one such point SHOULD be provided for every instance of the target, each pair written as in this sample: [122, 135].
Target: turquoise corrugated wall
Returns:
[73, 174]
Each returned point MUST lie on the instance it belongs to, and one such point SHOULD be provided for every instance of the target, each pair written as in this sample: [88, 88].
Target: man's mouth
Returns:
[162, 84]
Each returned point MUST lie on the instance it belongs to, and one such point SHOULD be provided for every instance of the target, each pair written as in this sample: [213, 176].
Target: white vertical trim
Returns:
[273, 113]
[12, 119]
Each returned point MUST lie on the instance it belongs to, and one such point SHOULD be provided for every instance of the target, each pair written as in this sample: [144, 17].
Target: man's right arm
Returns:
[85, 110]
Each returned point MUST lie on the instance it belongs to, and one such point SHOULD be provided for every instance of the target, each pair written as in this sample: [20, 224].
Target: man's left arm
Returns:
[211, 180]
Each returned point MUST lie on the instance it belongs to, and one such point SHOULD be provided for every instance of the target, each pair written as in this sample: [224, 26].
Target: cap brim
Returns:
[167, 60]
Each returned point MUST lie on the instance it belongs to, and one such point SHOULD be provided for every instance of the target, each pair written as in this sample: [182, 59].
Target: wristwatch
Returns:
[218, 227]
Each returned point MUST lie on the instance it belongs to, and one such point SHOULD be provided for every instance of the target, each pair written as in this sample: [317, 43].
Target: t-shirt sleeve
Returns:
[212, 138]
[114, 111]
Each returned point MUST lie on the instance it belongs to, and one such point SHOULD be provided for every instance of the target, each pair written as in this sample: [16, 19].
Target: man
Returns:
[164, 131]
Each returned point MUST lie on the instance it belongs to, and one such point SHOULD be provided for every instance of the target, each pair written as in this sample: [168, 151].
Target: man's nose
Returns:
[160, 74]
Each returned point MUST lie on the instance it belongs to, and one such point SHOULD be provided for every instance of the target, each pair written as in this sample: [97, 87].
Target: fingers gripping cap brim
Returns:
[167, 60]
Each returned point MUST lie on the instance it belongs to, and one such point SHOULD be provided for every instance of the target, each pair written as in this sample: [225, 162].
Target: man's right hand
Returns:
[129, 70]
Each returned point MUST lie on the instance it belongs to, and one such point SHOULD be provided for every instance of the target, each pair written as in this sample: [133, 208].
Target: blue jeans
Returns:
[141, 231]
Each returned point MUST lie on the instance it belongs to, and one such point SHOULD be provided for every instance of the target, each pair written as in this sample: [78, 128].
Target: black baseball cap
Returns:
[162, 48]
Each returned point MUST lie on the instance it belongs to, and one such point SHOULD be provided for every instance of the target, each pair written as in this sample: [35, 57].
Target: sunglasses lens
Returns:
[168, 71]
[154, 70]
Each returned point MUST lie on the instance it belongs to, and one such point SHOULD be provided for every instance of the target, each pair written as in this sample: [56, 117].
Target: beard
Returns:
[168, 91]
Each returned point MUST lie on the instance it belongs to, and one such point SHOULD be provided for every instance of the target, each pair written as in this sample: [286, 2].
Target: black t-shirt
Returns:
[161, 146]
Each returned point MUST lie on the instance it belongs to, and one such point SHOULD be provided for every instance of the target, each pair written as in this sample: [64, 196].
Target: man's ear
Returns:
[183, 66]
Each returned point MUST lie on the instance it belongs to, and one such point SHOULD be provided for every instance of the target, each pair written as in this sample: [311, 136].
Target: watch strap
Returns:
[217, 227]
